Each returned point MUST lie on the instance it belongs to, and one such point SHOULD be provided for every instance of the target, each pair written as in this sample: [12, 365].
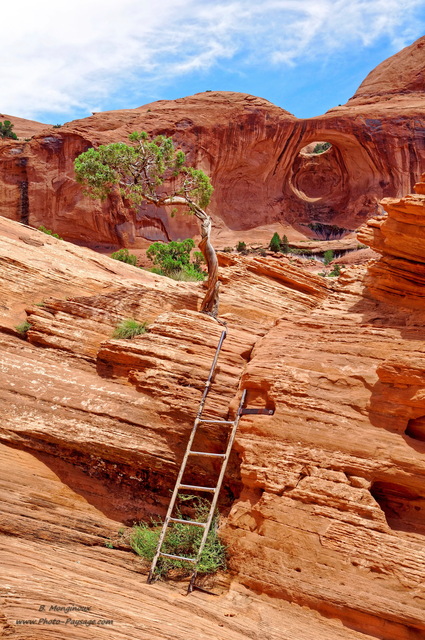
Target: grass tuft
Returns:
[23, 327]
[130, 328]
[181, 540]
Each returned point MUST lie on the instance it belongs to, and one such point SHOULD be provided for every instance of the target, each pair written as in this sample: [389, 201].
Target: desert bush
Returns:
[130, 328]
[123, 255]
[173, 260]
[336, 271]
[321, 147]
[6, 130]
[181, 540]
[241, 246]
[328, 256]
[49, 232]
[23, 328]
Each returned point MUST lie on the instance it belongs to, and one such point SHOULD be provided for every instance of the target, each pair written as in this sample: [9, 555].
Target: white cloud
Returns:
[59, 56]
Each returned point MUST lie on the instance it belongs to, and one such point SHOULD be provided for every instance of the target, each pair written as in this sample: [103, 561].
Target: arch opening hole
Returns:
[316, 148]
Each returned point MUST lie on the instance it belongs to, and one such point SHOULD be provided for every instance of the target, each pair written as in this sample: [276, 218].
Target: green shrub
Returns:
[328, 256]
[181, 540]
[23, 327]
[241, 246]
[336, 271]
[300, 252]
[130, 328]
[284, 245]
[6, 130]
[49, 232]
[321, 147]
[123, 255]
[173, 260]
[275, 243]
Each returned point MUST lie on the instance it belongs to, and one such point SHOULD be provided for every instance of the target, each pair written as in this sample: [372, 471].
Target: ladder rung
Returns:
[217, 421]
[205, 453]
[195, 488]
[196, 524]
[168, 555]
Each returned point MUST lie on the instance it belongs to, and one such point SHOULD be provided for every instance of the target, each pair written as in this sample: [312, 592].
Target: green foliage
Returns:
[275, 243]
[227, 249]
[173, 260]
[130, 328]
[49, 232]
[336, 271]
[284, 245]
[123, 255]
[299, 252]
[181, 540]
[171, 256]
[241, 246]
[138, 170]
[23, 327]
[328, 256]
[57, 126]
[321, 147]
[6, 130]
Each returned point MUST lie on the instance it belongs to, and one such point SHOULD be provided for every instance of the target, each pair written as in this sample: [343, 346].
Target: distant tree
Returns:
[153, 171]
[328, 256]
[123, 255]
[321, 147]
[284, 245]
[275, 243]
[6, 130]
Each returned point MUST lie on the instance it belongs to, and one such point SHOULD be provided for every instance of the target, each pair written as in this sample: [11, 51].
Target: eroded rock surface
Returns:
[324, 500]
[399, 236]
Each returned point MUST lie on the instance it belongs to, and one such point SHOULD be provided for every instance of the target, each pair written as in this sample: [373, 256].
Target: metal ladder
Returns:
[214, 490]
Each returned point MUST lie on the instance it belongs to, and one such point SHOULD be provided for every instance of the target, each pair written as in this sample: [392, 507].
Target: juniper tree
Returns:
[6, 130]
[153, 171]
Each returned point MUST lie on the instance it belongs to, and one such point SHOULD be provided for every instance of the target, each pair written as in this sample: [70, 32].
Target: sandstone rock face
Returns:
[252, 151]
[399, 75]
[323, 502]
[399, 276]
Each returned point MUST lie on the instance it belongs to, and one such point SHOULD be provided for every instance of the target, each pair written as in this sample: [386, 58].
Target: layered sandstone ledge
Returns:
[324, 500]
[399, 236]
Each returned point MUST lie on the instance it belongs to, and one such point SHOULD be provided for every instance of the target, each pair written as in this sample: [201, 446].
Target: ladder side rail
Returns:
[172, 503]
[185, 458]
[211, 373]
[216, 494]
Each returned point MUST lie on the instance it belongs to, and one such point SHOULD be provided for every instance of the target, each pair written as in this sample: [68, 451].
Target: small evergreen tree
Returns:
[328, 256]
[6, 130]
[275, 243]
[284, 245]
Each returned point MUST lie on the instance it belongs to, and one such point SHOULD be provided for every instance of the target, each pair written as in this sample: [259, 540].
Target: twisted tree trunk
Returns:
[210, 302]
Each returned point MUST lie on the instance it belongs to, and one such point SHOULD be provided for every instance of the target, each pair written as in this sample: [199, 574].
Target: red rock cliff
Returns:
[251, 150]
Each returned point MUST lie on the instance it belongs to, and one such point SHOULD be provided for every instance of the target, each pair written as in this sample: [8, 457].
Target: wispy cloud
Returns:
[59, 57]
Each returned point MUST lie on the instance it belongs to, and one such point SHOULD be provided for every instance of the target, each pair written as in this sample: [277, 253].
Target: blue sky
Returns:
[65, 60]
